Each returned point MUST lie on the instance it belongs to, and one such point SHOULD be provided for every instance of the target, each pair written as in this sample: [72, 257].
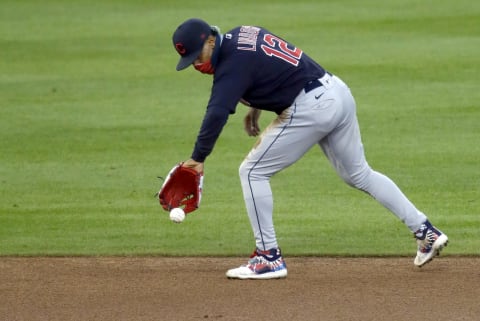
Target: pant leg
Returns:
[344, 149]
[285, 141]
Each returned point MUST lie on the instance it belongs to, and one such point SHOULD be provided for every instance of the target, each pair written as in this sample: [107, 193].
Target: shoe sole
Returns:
[264, 276]
[438, 246]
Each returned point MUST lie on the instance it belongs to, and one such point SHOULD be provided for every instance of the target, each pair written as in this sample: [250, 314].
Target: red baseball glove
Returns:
[182, 188]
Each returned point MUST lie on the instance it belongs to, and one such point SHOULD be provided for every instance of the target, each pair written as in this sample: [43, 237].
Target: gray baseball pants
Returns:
[325, 116]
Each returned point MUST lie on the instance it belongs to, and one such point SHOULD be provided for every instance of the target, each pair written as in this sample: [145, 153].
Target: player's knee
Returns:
[243, 170]
[248, 171]
[359, 180]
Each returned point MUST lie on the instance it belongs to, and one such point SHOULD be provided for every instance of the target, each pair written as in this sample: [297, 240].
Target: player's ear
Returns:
[211, 40]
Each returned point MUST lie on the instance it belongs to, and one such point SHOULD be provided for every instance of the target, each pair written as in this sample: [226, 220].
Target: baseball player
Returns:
[263, 71]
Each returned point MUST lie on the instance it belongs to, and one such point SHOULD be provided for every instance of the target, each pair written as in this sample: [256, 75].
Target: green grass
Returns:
[92, 111]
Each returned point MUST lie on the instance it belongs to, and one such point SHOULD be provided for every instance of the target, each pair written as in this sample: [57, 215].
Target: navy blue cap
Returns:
[189, 39]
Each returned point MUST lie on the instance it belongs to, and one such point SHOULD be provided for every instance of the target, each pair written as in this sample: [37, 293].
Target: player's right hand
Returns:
[251, 122]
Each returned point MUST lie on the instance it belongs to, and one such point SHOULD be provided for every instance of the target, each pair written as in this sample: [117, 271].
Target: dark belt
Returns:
[312, 84]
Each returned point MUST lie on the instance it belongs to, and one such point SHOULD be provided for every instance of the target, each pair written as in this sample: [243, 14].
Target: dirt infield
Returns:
[156, 288]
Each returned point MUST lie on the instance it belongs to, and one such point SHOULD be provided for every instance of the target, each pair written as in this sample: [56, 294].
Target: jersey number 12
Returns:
[279, 48]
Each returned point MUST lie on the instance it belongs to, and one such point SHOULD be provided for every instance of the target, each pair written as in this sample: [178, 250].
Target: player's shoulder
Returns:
[244, 30]
[244, 38]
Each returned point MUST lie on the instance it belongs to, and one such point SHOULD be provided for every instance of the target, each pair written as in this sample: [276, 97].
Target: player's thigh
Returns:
[279, 146]
[344, 149]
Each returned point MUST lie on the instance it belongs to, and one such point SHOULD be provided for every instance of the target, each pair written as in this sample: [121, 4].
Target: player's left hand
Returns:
[193, 164]
[182, 189]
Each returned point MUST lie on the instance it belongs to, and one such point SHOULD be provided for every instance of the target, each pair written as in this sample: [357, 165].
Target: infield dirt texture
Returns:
[184, 289]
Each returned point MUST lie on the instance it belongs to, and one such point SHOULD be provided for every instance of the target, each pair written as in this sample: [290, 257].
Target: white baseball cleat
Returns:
[262, 265]
[430, 241]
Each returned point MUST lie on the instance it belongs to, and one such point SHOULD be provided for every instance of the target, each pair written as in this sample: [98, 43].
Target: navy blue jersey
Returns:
[259, 68]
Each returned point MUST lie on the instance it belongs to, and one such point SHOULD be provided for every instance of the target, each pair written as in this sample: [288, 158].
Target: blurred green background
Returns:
[92, 111]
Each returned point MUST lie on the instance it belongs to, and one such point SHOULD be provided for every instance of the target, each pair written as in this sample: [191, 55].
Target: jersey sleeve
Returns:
[212, 125]
[230, 83]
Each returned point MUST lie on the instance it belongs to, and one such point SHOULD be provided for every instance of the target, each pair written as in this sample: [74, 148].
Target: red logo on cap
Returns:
[180, 48]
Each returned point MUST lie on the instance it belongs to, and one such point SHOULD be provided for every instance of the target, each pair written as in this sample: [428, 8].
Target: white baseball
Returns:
[177, 215]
